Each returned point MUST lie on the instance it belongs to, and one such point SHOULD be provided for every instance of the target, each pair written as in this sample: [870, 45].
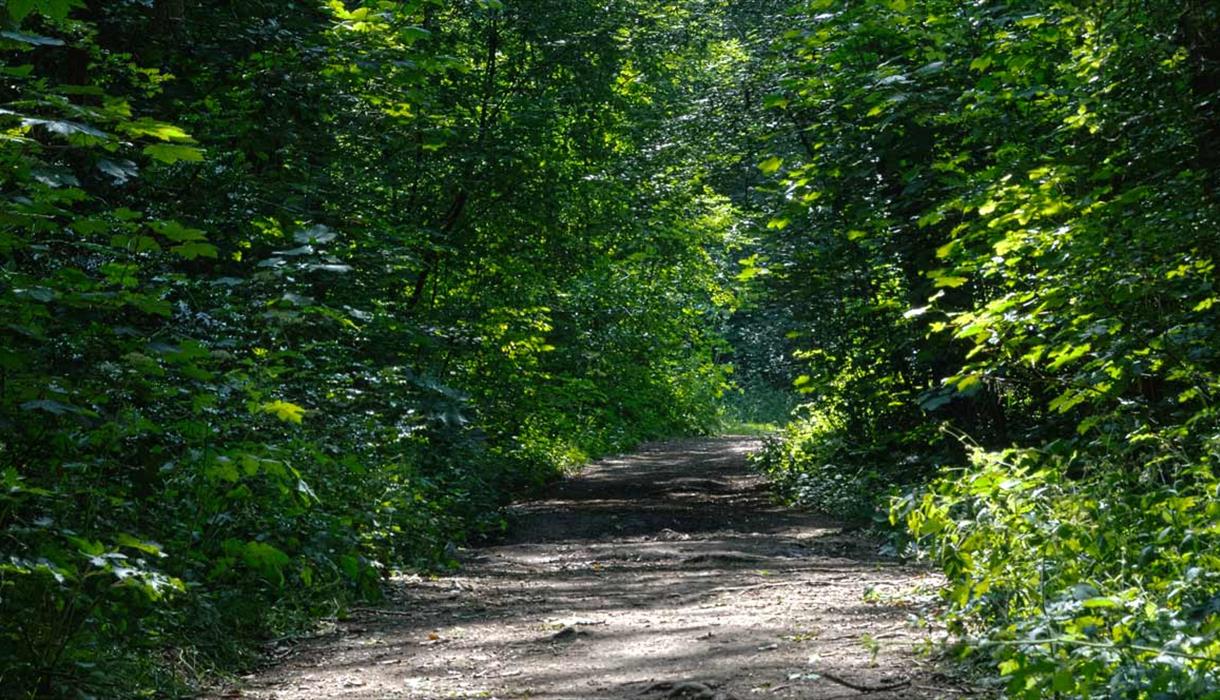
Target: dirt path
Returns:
[667, 566]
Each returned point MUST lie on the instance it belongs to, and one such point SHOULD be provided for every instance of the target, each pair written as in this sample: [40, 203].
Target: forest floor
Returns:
[666, 573]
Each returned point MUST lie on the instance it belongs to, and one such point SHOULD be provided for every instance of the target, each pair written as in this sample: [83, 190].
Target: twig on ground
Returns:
[864, 688]
[382, 611]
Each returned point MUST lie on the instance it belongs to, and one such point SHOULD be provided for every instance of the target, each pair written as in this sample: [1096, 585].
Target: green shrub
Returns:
[319, 324]
[1106, 585]
[817, 463]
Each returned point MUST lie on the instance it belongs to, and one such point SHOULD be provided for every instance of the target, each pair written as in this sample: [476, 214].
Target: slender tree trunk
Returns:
[1200, 26]
[458, 206]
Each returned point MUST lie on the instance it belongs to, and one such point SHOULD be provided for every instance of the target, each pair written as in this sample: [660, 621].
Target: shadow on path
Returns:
[669, 565]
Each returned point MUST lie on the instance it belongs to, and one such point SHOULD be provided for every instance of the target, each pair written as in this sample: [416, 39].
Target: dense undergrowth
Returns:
[998, 238]
[294, 295]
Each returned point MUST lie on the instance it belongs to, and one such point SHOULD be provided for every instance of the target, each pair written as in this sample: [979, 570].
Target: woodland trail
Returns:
[666, 567]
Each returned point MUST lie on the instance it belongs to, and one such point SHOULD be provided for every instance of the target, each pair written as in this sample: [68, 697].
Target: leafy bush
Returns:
[998, 221]
[799, 461]
[295, 295]
[815, 461]
[1103, 586]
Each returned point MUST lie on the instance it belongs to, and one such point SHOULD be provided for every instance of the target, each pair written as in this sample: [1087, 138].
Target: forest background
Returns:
[296, 295]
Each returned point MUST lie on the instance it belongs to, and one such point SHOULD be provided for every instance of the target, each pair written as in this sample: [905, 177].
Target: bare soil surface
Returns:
[666, 573]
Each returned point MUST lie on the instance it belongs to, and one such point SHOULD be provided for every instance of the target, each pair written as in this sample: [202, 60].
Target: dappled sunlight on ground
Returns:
[669, 565]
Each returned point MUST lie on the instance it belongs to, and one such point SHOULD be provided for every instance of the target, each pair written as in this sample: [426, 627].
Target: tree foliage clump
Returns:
[998, 234]
[294, 294]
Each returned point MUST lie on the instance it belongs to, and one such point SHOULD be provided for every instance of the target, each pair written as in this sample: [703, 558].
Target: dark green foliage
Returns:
[295, 294]
[1000, 225]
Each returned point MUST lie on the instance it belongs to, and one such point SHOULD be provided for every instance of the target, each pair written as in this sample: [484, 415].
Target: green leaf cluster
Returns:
[296, 295]
[996, 230]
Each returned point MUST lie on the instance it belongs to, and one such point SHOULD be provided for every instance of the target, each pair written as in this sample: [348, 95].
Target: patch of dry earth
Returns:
[668, 566]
